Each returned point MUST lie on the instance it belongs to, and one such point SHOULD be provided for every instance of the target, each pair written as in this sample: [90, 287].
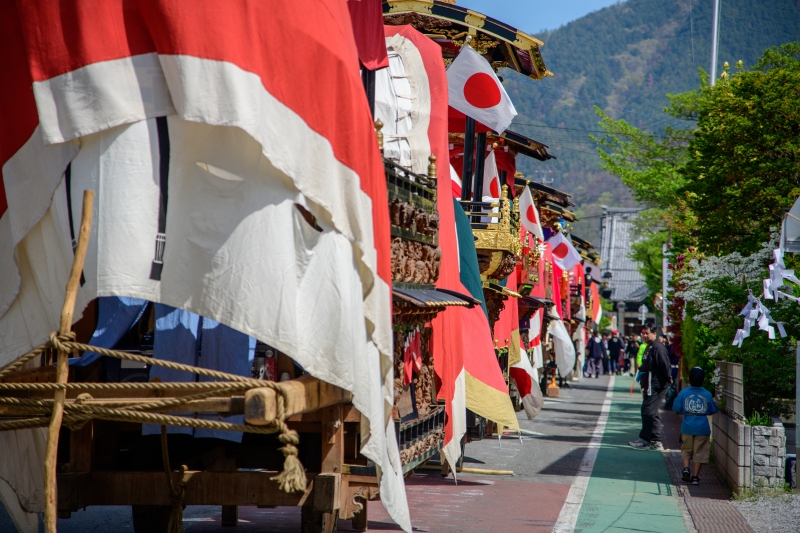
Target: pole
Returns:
[469, 159]
[664, 265]
[480, 164]
[714, 43]
[62, 372]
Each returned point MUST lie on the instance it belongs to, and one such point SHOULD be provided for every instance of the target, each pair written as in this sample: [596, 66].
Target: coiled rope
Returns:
[291, 479]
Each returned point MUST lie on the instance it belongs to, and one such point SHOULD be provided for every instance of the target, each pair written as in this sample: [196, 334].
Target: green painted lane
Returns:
[630, 490]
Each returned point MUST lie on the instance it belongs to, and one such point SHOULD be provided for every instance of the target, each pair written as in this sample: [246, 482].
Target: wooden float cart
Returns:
[101, 458]
[306, 419]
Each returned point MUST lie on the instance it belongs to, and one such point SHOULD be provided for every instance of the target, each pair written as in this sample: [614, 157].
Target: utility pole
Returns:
[664, 274]
[714, 43]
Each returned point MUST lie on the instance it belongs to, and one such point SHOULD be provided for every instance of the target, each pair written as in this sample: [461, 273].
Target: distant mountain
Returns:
[626, 58]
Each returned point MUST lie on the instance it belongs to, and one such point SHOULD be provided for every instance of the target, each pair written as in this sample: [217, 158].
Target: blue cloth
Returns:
[184, 337]
[115, 317]
[695, 403]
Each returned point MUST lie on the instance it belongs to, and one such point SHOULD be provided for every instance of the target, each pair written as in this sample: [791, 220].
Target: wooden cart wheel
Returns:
[314, 522]
[151, 518]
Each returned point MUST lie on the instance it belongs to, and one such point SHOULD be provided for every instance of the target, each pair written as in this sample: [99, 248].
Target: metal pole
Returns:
[664, 322]
[469, 158]
[480, 164]
[714, 43]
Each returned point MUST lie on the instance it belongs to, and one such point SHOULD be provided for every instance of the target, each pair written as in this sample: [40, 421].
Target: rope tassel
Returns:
[176, 492]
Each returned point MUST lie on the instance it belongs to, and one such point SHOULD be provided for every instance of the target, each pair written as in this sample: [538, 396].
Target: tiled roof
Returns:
[616, 238]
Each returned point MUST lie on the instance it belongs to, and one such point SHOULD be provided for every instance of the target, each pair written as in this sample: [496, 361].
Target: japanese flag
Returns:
[564, 254]
[491, 178]
[529, 214]
[475, 91]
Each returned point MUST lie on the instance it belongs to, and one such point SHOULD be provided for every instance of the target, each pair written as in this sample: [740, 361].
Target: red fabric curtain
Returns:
[366, 17]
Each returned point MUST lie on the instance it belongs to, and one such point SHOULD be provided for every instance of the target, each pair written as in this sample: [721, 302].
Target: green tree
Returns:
[743, 163]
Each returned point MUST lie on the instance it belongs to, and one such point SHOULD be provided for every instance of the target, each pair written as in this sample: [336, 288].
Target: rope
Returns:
[76, 414]
[69, 346]
[154, 385]
[176, 494]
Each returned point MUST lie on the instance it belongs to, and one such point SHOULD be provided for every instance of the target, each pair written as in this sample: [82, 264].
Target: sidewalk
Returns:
[707, 503]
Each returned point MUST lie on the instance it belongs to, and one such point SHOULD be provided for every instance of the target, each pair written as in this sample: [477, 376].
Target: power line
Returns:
[624, 110]
[572, 149]
[573, 129]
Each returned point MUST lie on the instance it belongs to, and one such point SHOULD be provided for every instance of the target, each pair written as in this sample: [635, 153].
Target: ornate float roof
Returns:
[448, 25]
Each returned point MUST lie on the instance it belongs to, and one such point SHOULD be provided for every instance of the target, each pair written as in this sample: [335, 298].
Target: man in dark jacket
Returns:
[614, 352]
[595, 350]
[655, 377]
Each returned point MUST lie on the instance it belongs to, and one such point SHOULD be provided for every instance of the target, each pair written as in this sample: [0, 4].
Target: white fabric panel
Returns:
[44, 258]
[30, 176]
[100, 96]
[393, 108]
[403, 97]
[332, 190]
[562, 345]
[22, 480]
[452, 450]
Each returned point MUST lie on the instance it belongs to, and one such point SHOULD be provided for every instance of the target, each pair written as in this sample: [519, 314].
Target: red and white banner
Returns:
[491, 178]
[182, 118]
[475, 91]
[529, 215]
[423, 64]
[597, 308]
[564, 253]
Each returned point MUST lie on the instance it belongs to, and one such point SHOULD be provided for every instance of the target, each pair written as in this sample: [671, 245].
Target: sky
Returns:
[532, 16]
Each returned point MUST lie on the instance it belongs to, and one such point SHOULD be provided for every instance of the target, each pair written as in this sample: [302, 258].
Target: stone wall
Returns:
[732, 450]
[769, 455]
[748, 456]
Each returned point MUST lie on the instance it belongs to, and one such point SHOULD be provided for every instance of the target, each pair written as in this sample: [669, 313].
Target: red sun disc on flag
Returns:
[561, 251]
[481, 91]
[494, 188]
[531, 215]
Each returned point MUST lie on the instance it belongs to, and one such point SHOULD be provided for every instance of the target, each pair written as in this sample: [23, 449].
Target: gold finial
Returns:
[518, 174]
[494, 146]
[468, 39]
[558, 227]
[432, 168]
[378, 128]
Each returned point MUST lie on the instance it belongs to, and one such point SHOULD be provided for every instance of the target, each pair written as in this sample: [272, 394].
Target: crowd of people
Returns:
[649, 357]
[611, 353]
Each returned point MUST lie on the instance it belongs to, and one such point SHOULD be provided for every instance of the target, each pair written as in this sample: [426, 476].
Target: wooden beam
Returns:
[202, 488]
[305, 394]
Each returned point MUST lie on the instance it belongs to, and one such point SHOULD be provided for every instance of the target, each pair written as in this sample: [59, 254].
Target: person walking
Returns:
[655, 378]
[614, 352]
[695, 404]
[594, 355]
[630, 352]
[605, 353]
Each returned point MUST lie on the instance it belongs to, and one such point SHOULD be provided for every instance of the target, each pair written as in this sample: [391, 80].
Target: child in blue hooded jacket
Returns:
[695, 404]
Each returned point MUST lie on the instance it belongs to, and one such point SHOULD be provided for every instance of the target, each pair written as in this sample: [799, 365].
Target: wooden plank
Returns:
[333, 440]
[202, 488]
[327, 489]
[81, 448]
[349, 414]
[304, 394]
